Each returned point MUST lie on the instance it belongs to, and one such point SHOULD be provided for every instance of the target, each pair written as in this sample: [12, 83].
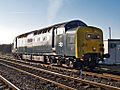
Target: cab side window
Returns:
[112, 45]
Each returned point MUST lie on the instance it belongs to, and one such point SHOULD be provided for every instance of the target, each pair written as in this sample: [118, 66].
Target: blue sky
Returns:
[20, 16]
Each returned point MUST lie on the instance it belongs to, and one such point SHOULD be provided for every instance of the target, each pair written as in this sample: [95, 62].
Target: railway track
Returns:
[6, 85]
[49, 82]
[37, 82]
[70, 72]
[62, 79]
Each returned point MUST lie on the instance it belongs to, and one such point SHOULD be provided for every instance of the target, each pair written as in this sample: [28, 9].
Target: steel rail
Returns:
[104, 75]
[100, 85]
[8, 83]
[41, 78]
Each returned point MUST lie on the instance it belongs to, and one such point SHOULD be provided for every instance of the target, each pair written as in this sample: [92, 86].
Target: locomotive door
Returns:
[60, 44]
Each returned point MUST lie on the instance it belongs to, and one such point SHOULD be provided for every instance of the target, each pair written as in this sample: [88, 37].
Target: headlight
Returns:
[94, 49]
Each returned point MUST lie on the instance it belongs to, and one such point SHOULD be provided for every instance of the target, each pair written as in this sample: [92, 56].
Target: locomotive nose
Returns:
[89, 41]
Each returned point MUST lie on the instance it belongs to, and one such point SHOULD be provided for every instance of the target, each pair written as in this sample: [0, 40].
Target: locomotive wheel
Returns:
[79, 65]
[71, 64]
[51, 60]
[67, 62]
[45, 59]
[59, 63]
[92, 65]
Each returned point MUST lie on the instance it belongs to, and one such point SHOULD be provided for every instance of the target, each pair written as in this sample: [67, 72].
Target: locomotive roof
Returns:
[43, 30]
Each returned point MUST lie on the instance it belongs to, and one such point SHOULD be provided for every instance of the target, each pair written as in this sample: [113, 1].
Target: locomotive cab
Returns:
[89, 46]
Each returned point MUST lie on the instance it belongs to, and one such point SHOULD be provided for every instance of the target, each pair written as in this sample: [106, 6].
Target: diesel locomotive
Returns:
[72, 43]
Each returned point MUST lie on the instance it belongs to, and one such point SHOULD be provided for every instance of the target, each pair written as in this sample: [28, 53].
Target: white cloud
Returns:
[22, 12]
[53, 8]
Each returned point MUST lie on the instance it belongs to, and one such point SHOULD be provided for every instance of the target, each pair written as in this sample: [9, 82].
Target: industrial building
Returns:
[112, 46]
[5, 48]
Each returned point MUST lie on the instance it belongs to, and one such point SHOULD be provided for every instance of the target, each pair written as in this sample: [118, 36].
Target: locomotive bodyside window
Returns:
[29, 40]
[38, 39]
[45, 38]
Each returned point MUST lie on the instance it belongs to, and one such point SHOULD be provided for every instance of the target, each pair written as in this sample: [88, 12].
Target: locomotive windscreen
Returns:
[93, 36]
[74, 24]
